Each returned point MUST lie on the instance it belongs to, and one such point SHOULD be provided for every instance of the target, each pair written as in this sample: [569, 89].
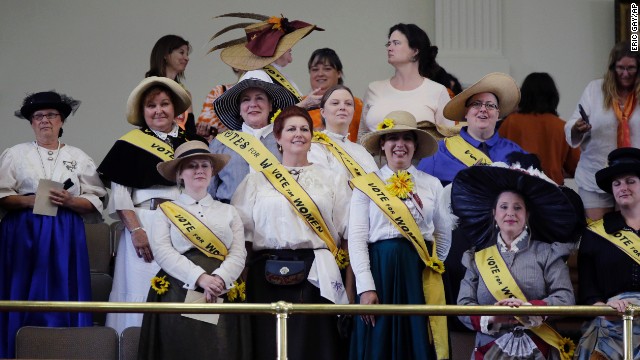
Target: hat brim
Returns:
[426, 143]
[227, 106]
[605, 177]
[552, 216]
[168, 169]
[182, 100]
[502, 85]
[239, 57]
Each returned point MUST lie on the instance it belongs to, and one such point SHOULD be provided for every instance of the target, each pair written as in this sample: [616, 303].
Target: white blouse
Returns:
[168, 243]
[368, 224]
[23, 165]
[320, 155]
[270, 222]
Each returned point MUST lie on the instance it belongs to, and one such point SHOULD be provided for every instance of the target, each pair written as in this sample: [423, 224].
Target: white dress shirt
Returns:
[321, 155]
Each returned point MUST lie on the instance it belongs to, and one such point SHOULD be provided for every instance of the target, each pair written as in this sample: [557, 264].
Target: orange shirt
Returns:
[543, 135]
[353, 127]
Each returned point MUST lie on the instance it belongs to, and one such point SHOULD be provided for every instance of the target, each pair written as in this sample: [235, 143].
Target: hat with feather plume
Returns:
[264, 41]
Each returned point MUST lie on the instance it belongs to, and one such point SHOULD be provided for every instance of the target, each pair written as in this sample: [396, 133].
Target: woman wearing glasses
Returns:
[611, 122]
[44, 258]
[480, 105]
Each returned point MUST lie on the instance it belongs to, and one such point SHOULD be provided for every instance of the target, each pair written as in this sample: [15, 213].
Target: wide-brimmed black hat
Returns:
[552, 215]
[227, 106]
[47, 100]
[621, 161]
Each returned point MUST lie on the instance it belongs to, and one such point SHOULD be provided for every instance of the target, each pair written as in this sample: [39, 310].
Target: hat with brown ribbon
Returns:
[264, 41]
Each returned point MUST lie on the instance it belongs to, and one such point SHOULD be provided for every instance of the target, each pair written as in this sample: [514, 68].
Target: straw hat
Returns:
[227, 106]
[182, 100]
[186, 151]
[399, 121]
[621, 161]
[264, 41]
[501, 85]
[553, 216]
[47, 100]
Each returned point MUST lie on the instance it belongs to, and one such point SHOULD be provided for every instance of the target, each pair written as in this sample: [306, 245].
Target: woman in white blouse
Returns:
[290, 261]
[387, 266]
[337, 110]
[189, 269]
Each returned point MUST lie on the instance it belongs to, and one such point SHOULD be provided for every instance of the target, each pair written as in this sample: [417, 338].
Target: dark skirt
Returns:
[43, 258]
[397, 273]
[173, 336]
[308, 336]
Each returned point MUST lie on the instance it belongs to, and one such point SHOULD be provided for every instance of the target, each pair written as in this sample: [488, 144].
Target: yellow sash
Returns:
[465, 152]
[195, 231]
[625, 240]
[262, 160]
[400, 216]
[352, 166]
[277, 76]
[502, 285]
[149, 143]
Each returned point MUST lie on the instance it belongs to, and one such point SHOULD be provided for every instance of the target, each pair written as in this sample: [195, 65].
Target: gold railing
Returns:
[282, 310]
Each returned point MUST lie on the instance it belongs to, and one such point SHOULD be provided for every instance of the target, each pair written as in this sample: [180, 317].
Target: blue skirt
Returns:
[43, 258]
[397, 273]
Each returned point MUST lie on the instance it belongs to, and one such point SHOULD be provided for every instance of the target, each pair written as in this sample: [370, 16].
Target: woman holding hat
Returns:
[137, 189]
[266, 47]
[383, 251]
[44, 258]
[295, 219]
[337, 110]
[246, 109]
[612, 122]
[203, 259]
[517, 218]
[608, 249]
[169, 58]
[412, 87]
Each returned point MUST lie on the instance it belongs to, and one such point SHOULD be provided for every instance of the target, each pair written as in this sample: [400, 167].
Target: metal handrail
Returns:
[283, 309]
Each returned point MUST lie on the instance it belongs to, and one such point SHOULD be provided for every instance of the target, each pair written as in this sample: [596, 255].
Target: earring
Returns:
[279, 147]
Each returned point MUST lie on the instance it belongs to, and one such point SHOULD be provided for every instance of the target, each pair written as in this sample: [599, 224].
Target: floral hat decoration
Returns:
[264, 41]
[553, 217]
[400, 121]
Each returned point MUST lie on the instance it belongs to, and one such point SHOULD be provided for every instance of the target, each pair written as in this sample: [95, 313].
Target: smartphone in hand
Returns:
[583, 114]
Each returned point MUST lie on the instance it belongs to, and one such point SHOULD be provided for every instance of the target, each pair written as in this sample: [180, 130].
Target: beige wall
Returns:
[97, 51]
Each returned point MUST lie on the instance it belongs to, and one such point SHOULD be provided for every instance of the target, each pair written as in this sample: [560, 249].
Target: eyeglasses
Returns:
[630, 69]
[50, 116]
[488, 105]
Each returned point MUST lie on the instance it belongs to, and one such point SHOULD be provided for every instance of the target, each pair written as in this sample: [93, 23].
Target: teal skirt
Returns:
[397, 273]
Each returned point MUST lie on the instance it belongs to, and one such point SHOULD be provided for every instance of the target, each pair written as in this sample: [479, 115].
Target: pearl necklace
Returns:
[50, 158]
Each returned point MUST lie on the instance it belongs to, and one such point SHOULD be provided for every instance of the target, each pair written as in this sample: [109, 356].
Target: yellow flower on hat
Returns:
[276, 21]
[275, 116]
[386, 124]
[320, 136]
[160, 284]
[400, 184]
[238, 291]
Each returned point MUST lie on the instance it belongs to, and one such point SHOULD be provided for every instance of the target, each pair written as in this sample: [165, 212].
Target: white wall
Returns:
[97, 51]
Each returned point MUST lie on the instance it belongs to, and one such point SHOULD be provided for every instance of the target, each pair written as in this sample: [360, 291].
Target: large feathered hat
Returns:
[264, 41]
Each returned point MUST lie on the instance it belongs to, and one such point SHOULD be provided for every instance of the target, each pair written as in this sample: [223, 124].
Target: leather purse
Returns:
[285, 272]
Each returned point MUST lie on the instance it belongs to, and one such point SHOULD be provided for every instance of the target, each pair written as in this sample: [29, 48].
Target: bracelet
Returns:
[136, 229]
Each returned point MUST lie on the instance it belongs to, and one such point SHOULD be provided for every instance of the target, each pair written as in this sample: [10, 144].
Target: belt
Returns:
[151, 204]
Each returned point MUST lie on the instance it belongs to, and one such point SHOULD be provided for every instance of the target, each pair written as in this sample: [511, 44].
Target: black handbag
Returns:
[285, 272]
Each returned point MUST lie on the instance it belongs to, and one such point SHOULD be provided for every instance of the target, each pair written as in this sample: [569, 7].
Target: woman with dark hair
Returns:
[44, 257]
[295, 216]
[517, 219]
[612, 122]
[325, 72]
[537, 128]
[137, 189]
[410, 52]
[169, 58]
